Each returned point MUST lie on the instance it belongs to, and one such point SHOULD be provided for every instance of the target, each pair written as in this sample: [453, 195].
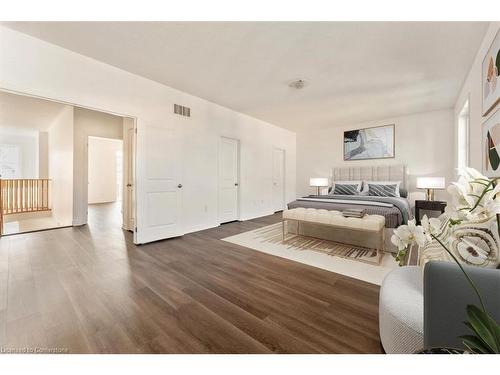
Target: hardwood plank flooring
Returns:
[91, 290]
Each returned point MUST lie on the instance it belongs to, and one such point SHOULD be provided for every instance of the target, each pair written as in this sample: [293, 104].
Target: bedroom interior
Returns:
[277, 196]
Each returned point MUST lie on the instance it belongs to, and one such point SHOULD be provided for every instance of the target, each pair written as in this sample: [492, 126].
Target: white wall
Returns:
[472, 89]
[423, 142]
[63, 75]
[60, 148]
[88, 123]
[28, 150]
[103, 183]
[43, 155]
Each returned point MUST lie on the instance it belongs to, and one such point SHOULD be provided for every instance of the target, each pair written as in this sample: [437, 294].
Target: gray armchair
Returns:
[446, 295]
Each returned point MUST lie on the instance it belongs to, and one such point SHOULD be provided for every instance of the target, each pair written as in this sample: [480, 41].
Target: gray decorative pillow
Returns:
[382, 190]
[403, 193]
[344, 189]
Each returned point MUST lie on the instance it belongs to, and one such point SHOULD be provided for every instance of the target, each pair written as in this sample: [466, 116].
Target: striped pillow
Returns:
[344, 189]
[382, 190]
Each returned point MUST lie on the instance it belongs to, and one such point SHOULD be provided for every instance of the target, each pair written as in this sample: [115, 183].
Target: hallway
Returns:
[105, 217]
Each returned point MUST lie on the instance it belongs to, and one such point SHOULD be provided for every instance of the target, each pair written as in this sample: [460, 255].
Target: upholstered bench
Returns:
[367, 231]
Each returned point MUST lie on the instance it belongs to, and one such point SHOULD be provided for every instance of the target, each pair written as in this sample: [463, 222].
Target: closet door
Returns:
[228, 180]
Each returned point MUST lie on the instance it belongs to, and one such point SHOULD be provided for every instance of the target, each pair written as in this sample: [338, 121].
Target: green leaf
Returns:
[478, 181]
[480, 324]
[401, 257]
[496, 330]
[475, 344]
[477, 336]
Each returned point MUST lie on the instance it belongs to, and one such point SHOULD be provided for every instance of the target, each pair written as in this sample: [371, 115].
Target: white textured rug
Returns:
[264, 240]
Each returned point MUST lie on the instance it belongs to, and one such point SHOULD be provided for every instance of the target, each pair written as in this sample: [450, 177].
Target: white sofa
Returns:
[401, 311]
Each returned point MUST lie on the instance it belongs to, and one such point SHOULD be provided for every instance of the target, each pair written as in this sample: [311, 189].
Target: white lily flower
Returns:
[461, 201]
[473, 200]
[490, 209]
[473, 197]
[472, 173]
[406, 235]
[396, 241]
[430, 226]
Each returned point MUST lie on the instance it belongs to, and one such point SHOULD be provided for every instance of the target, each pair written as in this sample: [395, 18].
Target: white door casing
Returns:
[228, 170]
[128, 196]
[158, 183]
[278, 179]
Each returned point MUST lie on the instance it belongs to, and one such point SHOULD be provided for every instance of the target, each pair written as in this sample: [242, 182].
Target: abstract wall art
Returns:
[491, 146]
[369, 143]
[491, 76]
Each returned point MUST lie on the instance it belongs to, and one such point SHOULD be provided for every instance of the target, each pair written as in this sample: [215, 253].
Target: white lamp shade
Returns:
[430, 183]
[318, 181]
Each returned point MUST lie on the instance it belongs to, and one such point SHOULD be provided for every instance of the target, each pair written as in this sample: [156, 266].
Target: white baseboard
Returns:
[251, 217]
[200, 227]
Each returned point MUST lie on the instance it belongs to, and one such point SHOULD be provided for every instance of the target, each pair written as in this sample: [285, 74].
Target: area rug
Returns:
[356, 262]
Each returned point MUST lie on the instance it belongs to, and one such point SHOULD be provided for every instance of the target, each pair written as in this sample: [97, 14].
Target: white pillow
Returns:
[358, 183]
[366, 183]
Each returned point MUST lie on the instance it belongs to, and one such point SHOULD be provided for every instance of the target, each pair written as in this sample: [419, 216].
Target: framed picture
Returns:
[491, 146]
[369, 143]
[490, 76]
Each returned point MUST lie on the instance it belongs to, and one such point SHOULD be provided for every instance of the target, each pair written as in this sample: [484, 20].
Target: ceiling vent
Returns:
[181, 110]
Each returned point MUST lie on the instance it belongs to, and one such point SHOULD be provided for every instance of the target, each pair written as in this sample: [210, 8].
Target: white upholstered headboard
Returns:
[394, 172]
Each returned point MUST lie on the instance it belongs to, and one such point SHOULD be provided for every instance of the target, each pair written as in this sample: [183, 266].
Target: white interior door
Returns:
[158, 183]
[228, 180]
[278, 179]
[128, 174]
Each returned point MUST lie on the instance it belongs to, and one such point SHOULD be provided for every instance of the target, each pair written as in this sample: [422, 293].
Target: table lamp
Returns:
[430, 184]
[318, 182]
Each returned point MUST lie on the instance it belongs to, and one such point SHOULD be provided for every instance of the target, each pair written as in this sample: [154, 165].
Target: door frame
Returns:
[283, 177]
[238, 176]
[129, 218]
[85, 195]
[123, 115]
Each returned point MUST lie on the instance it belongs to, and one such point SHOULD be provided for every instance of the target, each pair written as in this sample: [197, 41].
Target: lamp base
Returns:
[429, 194]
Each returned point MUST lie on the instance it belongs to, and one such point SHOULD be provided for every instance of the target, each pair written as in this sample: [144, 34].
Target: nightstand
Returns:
[428, 205]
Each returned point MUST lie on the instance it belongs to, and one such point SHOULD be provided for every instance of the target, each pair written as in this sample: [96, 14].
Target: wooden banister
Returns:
[23, 195]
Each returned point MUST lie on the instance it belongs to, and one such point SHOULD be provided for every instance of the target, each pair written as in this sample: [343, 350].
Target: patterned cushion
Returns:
[382, 190]
[472, 243]
[344, 189]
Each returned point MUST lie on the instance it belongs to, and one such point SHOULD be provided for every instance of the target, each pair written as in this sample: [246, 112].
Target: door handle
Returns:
[179, 186]
[129, 185]
[235, 184]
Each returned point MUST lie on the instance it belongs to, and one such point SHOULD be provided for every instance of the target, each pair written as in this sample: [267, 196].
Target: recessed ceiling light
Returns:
[298, 84]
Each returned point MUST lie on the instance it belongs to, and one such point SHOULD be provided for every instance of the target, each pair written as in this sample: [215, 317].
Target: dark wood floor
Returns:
[89, 289]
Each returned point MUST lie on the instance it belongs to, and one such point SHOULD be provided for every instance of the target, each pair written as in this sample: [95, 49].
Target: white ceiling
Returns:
[357, 71]
[22, 113]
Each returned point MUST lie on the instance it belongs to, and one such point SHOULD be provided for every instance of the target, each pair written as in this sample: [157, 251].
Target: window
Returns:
[10, 163]
[463, 137]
